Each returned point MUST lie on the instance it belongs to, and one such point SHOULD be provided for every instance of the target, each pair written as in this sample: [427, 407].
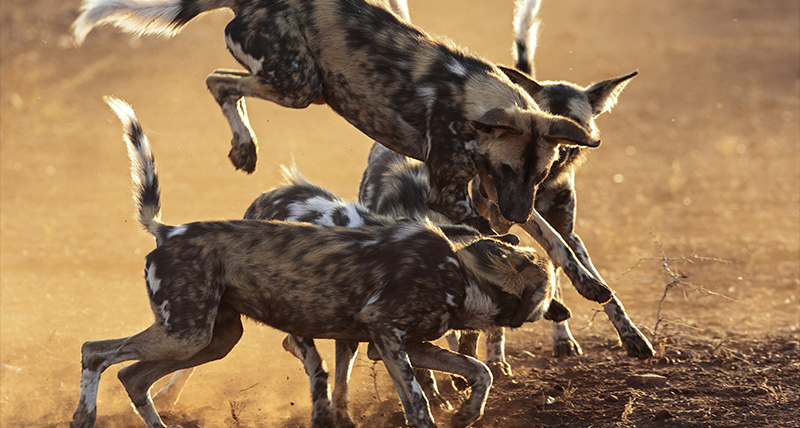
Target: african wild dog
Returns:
[398, 287]
[556, 197]
[299, 200]
[418, 95]
[394, 184]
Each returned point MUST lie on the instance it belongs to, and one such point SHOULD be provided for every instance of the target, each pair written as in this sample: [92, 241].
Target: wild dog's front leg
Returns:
[450, 169]
[564, 344]
[305, 351]
[478, 376]
[587, 285]
[229, 88]
[560, 212]
[281, 70]
[496, 353]
[635, 343]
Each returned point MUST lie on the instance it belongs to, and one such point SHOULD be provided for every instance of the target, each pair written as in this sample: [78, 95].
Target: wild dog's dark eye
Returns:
[506, 170]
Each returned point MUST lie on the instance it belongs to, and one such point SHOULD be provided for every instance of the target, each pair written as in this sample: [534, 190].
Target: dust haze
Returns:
[702, 152]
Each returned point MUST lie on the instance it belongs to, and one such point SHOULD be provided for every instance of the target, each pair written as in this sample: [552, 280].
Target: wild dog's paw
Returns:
[438, 402]
[343, 421]
[243, 155]
[637, 346]
[499, 369]
[566, 348]
[83, 418]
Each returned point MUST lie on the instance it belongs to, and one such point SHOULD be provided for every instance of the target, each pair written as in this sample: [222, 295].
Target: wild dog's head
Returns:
[515, 150]
[526, 279]
[572, 101]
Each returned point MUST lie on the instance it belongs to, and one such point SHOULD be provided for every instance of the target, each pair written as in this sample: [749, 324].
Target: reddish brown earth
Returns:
[702, 154]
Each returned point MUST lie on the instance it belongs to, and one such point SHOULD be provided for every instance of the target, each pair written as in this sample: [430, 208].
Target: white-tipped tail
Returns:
[136, 17]
[526, 31]
[144, 177]
[292, 175]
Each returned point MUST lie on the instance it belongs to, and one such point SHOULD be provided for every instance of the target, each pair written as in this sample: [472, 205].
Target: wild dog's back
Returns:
[306, 279]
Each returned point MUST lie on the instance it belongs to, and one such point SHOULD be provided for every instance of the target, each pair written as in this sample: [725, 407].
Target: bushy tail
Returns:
[526, 31]
[146, 191]
[141, 17]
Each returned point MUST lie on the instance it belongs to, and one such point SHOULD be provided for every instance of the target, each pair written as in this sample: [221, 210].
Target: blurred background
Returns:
[700, 158]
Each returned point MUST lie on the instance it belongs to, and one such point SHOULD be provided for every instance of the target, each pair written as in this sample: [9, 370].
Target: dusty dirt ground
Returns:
[702, 154]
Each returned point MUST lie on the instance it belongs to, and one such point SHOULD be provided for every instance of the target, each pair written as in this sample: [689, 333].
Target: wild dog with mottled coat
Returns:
[418, 95]
[555, 199]
[393, 185]
[398, 287]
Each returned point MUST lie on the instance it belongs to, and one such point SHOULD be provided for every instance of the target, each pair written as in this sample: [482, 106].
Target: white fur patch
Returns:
[178, 230]
[326, 208]
[374, 298]
[353, 217]
[253, 64]
[165, 312]
[428, 95]
[471, 146]
[317, 204]
[89, 382]
[456, 67]
[153, 281]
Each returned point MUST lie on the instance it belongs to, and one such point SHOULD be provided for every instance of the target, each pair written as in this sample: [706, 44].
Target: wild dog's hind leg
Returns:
[427, 381]
[281, 70]
[479, 378]
[564, 344]
[139, 377]
[345, 356]
[169, 395]
[154, 343]
[560, 213]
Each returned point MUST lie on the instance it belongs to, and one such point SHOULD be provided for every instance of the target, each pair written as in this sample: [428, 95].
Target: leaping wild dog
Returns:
[420, 96]
[398, 287]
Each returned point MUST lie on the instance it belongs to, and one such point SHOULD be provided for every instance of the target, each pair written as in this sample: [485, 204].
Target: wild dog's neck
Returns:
[486, 91]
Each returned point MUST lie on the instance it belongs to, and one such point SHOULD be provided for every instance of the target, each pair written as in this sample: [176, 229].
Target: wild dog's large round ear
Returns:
[496, 119]
[526, 307]
[508, 238]
[603, 95]
[529, 85]
[567, 132]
